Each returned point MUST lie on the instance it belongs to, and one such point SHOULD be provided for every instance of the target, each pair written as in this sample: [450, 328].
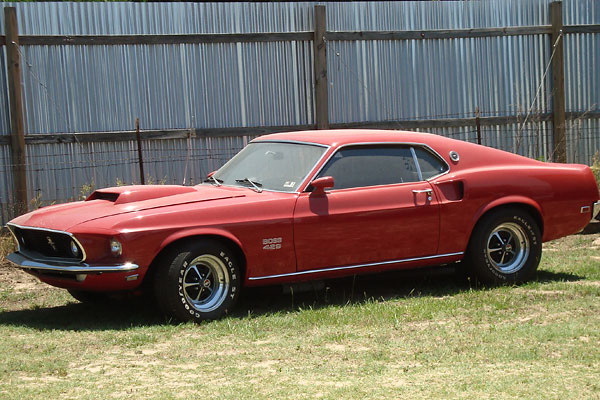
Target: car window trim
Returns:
[444, 162]
[416, 162]
[288, 141]
[422, 145]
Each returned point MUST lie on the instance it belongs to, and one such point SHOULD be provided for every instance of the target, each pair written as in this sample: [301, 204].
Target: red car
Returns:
[310, 205]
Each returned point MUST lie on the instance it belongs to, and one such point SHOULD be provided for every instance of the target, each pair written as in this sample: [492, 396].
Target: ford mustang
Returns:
[309, 205]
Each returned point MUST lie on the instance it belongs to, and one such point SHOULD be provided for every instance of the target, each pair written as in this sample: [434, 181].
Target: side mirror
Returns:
[321, 184]
[210, 174]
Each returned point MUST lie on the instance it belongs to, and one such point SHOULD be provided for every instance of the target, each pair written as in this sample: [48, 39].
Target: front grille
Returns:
[45, 243]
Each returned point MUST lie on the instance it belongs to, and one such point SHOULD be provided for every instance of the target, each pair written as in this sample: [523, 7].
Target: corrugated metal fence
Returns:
[209, 86]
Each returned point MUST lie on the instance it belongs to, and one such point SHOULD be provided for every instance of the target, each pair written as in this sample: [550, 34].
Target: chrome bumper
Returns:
[595, 209]
[80, 268]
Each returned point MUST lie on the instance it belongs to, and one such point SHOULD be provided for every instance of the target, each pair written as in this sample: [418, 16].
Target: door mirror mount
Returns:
[320, 184]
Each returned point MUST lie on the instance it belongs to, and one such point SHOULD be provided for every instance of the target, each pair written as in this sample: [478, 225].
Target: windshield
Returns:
[276, 166]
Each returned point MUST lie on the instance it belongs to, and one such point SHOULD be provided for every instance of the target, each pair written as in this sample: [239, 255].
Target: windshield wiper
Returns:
[256, 185]
[214, 180]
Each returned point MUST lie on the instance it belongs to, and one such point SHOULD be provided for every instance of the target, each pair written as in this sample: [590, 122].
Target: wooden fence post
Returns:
[320, 72]
[17, 137]
[558, 83]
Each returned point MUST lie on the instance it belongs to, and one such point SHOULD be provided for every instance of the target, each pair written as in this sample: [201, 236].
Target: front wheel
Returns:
[505, 247]
[197, 281]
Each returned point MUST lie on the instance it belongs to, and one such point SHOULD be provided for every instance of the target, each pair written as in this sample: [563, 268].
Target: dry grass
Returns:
[7, 245]
[414, 334]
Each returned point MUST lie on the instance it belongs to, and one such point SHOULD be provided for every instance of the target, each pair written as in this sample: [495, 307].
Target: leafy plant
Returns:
[87, 189]
[596, 167]
[36, 202]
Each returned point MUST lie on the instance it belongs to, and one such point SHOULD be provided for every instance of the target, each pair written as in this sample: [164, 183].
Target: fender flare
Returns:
[508, 200]
[186, 233]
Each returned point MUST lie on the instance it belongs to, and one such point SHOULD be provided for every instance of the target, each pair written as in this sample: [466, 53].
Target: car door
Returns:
[379, 210]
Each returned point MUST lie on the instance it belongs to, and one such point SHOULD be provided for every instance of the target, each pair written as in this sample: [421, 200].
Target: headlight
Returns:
[115, 247]
[74, 249]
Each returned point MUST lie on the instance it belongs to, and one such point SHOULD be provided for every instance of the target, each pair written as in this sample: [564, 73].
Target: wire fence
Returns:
[74, 170]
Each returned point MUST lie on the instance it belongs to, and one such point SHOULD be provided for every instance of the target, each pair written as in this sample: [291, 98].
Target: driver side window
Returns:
[360, 166]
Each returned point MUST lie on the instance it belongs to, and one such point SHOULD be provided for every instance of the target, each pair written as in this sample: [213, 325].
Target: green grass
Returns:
[418, 334]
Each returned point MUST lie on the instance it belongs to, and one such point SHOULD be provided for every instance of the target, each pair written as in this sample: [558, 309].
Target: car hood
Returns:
[120, 200]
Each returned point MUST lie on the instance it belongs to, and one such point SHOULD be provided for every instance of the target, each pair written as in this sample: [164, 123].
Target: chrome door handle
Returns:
[428, 191]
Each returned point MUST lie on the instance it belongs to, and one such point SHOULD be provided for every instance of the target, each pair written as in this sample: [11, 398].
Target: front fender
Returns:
[185, 233]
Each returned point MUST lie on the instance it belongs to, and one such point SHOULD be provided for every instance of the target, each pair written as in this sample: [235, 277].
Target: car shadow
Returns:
[591, 229]
[254, 302]
[83, 317]
[396, 285]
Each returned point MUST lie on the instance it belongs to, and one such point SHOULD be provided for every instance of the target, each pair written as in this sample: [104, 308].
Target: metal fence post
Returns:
[139, 147]
[17, 129]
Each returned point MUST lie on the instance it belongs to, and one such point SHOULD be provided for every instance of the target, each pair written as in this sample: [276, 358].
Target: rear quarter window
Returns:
[431, 165]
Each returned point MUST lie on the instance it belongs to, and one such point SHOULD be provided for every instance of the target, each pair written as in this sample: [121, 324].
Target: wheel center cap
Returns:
[206, 283]
[508, 247]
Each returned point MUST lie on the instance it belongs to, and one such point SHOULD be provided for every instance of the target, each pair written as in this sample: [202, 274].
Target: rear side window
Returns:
[360, 166]
[430, 164]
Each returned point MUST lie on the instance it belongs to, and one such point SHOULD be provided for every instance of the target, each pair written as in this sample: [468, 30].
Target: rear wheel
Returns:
[505, 247]
[197, 281]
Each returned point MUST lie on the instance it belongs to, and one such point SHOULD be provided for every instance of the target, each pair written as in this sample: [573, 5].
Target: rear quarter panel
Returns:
[492, 178]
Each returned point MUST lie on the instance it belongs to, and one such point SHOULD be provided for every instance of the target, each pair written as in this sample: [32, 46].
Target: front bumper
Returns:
[595, 209]
[80, 268]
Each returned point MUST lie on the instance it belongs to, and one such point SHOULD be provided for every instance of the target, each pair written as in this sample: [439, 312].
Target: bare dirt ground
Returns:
[17, 282]
[17, 279]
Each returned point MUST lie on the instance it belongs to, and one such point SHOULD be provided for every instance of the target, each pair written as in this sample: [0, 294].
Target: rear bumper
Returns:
[595, 209]
[81, 268]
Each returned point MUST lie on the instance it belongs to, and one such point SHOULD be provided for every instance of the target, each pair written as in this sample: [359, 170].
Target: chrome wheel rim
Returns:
[507, 248]
[206, 283]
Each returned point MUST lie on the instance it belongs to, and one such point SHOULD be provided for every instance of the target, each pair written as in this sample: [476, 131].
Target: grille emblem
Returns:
[51, 243]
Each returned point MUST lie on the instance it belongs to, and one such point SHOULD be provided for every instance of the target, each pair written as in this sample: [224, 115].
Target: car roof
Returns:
[340, 137]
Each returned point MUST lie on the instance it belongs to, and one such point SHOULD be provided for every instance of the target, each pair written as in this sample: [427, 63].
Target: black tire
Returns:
[185, 286]
[505, 248]
[87, 297]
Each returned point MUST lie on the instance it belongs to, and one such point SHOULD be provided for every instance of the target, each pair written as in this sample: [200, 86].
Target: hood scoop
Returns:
[130, 194]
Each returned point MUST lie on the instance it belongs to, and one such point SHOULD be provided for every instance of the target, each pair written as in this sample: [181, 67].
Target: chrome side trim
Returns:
[595, 209]
[24, 262]
[83, 253]
[315, 271]
[288, 141]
